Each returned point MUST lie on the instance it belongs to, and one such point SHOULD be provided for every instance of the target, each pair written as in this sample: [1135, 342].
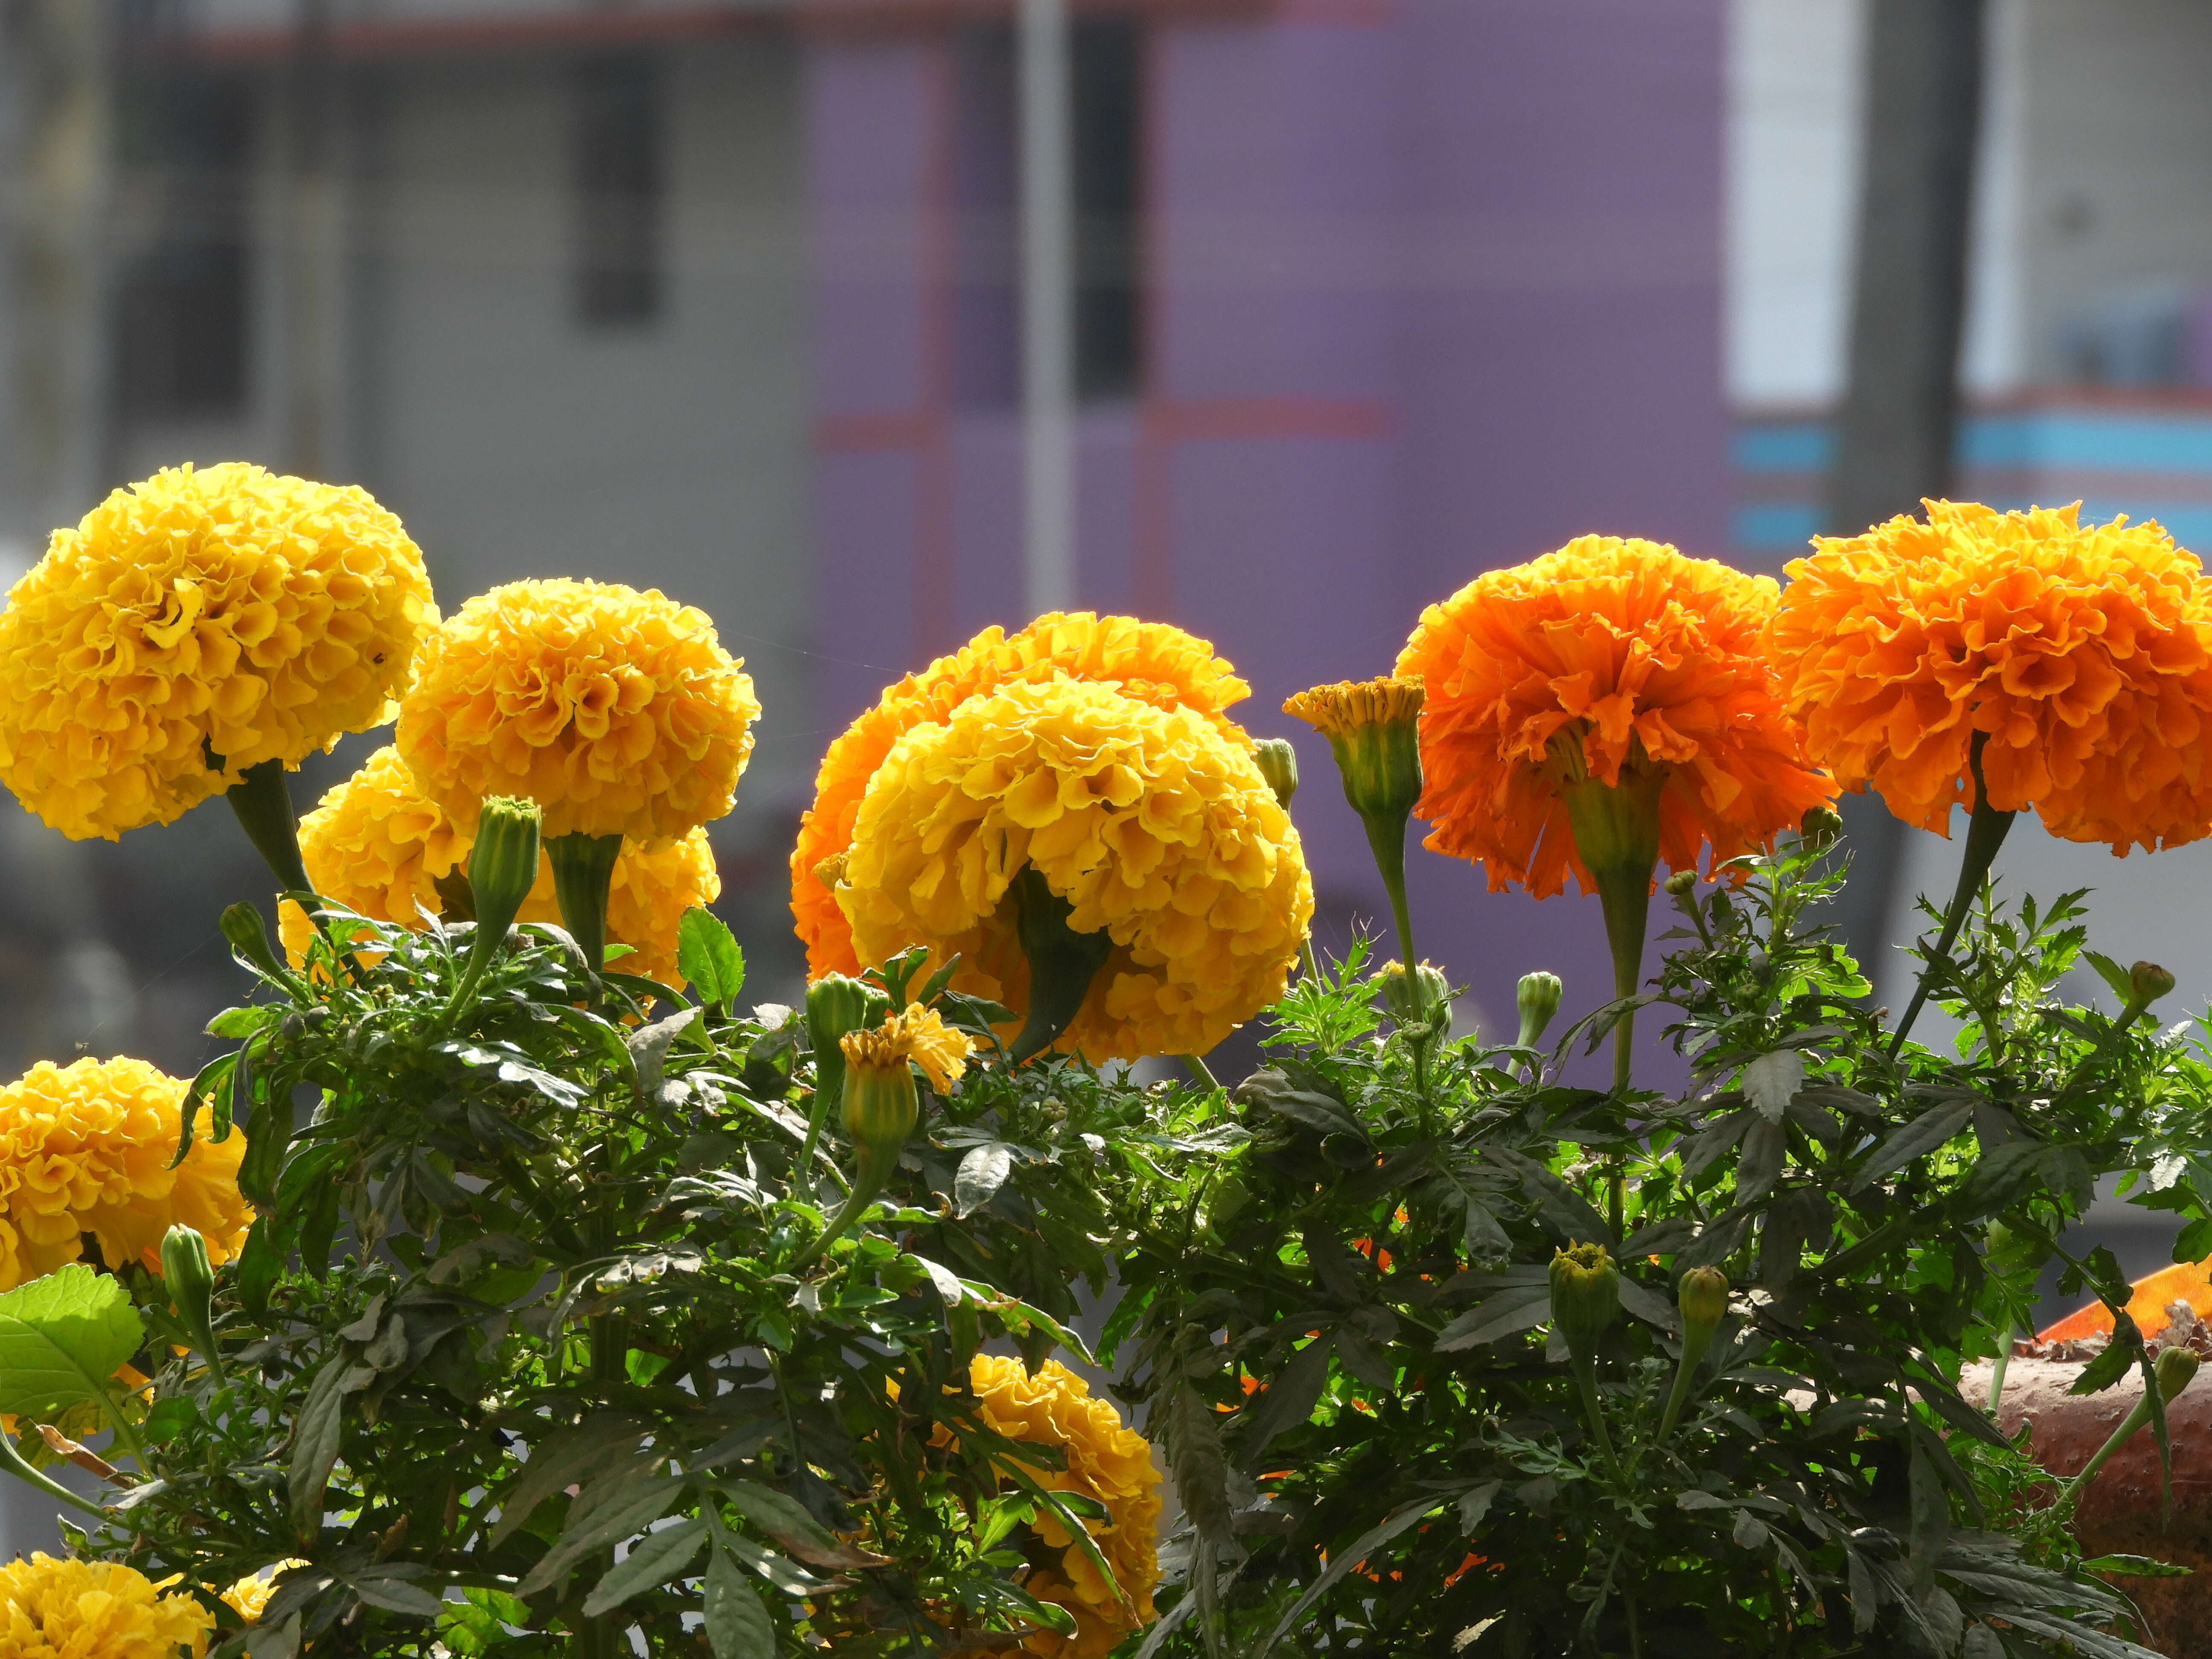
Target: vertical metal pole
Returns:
[1047, 309]
[312, 248]
[1894, 437]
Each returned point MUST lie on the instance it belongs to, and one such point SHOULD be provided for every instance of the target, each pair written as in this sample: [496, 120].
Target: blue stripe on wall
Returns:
[1777, 527]
[2042, 438]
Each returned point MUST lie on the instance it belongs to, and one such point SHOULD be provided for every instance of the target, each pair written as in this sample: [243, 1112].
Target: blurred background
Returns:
[864, 324]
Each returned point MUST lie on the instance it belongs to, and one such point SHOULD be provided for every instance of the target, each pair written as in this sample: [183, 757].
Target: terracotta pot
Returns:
[2120, 1512]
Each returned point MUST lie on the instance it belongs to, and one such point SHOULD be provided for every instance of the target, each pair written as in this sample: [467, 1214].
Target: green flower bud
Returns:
[1538, 998]
[1414, 998]
[2174, 1368]
[1681, 882]
[1702, 1296]
[1820, 826]
[2149, 982]
[1279, 764]
[503, 864]
[190, 1281]
[880, 1101]
[1373, 729]
[1585, 1296]
[834, 1005]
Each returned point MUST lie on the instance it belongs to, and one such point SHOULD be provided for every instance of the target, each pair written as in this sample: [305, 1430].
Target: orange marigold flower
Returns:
[1612, 659]
[2083, 652]
[192, 625]
[1151, 662]
[381, 847]
[616, 711]
[85, 1148]
[1157, 831]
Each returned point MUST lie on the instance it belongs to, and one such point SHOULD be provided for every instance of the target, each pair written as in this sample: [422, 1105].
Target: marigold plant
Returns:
[194, 625]
[616, 711]
[1104, 1460]
[2080, 653]
[1157, 831]
[1611, 658]
[1151, 662]
[381, 847]
[86, 1148]
[63, 1608]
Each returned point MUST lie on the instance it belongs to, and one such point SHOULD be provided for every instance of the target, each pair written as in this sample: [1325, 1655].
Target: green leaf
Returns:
[607, 1524]
[2118, 1360]
[737, 1626]
[315, 1436]
[1923, 1135]
[707, 954]
[657, 1557]
[61, 1338]
[1517, 1308]
[2121, 982]
[982, 1173]
[2135, 1567]
[1342, 1561]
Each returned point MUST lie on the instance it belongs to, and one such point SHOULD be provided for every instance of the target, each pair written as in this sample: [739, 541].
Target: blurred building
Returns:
[2089, 358]
[1370, 296]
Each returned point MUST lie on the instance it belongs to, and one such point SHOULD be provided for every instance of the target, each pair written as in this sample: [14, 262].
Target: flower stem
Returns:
[1062, 962]
[264, 806]
[1999, 1366]
[1585, 1369]
[583, 870]
[1697, 1341]
[1986, 828]
[12, 1460]
[1200, 1072]
[1386, 838]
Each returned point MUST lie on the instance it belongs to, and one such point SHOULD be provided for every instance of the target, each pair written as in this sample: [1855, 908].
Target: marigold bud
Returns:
[1820, 827]
[503, 863]
[1538, 998]
[2174, 1369]
[190, 1284]
[1279, 764]
[1373, 729]
[2149, 982]
[1585, 1296]
[1680, 883]
[1702, 1296]
[1410, 998]
[880, 1102]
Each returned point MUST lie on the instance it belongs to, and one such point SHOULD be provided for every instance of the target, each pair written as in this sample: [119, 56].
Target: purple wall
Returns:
[1432, 287]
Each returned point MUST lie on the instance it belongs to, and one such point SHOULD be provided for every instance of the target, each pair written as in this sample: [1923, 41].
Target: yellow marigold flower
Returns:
[1105, 1461]
[1619, 660]
[1151, 662]
[2083, 652]
[64, 1609]
[84, 1148]
[618, 712]
[250, 1595]
[226, 612]
[1156, 830]
[378, 845]
[918, 1034]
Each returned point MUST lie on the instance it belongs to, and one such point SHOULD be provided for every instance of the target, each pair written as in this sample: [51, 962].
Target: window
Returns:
[181, 321]
[1107, 54]
[619, 176]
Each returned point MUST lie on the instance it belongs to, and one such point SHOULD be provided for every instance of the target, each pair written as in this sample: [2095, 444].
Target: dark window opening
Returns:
[986, 306]
[181, 312]
[619, 176]
[1107, 54]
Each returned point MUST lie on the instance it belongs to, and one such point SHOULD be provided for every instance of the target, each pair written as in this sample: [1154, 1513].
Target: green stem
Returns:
[874, 1170]
[12, 1460]
[1697, 1342]
[1986, 828]
[1313, 964]
[1062, 962]
[1386, 839]
[1999, 1365]
[1200, 1073]
[1585, 1371]
[2138, 1418]
[583, 869]
[264, 806]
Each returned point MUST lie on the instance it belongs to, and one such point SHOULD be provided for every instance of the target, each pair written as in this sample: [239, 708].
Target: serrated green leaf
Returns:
[657, 1557]
[707, 954]
[61, 1338]
[737, 1626]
